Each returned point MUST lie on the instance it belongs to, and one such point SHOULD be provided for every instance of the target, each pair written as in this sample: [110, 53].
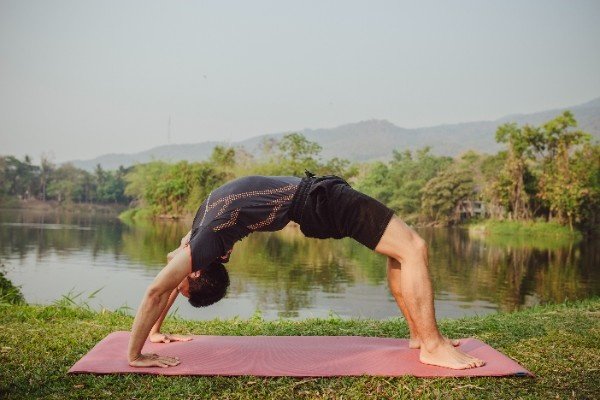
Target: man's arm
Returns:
[153, 304]
[155, 335]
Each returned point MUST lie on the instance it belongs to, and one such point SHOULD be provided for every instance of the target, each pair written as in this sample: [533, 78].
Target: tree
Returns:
[399, 183]
[298, 153]
[585, 165]
[291, 156]
[510, 185]
[444, 192]
[64, 184]
[560, 185]
[338, 166]
[46, 171]
[172, 189]
[18, 178]
[223, 156]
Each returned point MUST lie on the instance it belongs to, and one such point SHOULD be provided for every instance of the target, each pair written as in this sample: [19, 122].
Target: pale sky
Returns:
[79, 78]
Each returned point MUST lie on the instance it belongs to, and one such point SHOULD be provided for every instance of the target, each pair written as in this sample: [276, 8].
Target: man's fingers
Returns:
[180, 338]
[154, 360]
[169, 362]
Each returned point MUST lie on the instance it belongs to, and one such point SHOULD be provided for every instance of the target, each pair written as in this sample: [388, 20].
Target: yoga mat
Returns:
[290, 356]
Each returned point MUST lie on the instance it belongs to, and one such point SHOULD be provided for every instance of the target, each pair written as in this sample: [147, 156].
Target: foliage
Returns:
[529, 229]
[9, 293]
[399, 183]
[18, 178]
[549, 171]
[172, 189]
[511, 184]
[294, 154]
[442, 193]
[560, 185]
[66, 183]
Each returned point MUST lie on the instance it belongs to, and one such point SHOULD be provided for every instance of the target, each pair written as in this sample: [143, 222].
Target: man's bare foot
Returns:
[443, 354]
[416, 343]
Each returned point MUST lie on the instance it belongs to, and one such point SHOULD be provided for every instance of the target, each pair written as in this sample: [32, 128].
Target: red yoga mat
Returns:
[290, 356]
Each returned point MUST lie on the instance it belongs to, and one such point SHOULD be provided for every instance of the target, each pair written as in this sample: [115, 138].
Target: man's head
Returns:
[206, 286]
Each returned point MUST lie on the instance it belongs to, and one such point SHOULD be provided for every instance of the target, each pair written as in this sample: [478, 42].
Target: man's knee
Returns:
[416, 247]
[401, 242]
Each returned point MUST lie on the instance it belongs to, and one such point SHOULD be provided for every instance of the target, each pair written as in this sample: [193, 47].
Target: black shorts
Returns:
[328, 207]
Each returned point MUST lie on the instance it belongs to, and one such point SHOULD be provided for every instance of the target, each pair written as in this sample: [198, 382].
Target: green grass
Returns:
[526, 228]
[8, 293]
[558, 343]
[136, 215]
[539, 234]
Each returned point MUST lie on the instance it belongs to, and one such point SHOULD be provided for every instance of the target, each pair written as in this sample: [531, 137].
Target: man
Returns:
[324, 207]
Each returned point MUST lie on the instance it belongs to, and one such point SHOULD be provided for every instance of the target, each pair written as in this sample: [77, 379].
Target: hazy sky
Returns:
[79, 79]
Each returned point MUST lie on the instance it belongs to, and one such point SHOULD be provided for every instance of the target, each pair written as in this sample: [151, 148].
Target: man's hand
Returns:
[158, 337]
[154, 360]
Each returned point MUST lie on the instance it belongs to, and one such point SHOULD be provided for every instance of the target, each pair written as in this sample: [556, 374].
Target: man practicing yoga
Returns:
[324, 207]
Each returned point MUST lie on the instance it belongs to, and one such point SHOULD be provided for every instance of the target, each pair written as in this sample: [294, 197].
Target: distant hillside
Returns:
[370, 140]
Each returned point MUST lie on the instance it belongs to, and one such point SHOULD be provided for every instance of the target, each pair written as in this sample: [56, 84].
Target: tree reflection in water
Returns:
[287, 273]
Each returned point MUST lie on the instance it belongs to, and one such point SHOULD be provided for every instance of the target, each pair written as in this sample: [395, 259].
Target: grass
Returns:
[8, 293]
[558, 343]
[525, 233]
[136, 215]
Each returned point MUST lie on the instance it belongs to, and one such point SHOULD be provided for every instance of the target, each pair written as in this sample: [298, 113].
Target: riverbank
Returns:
[144, 215]
[524, 228]
[538, 234]
[560, 344]
[53, 206]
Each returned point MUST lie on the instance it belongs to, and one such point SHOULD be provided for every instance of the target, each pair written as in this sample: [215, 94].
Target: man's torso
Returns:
[234, 210]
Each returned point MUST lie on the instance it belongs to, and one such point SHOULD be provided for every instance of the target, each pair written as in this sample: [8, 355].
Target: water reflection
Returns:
[284, 274]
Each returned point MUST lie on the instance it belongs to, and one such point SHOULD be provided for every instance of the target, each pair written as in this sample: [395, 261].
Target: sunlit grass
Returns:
[559, 343]
[532, 234]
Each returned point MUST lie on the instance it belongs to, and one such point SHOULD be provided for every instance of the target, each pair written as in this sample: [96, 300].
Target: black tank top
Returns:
[234, 210]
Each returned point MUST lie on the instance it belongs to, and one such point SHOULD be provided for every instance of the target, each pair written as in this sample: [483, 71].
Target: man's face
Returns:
[184, 286]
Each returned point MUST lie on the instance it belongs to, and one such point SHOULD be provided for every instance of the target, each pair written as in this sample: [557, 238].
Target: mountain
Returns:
[369, 140]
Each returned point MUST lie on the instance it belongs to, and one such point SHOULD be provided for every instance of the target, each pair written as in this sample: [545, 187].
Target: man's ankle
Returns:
[432, 343]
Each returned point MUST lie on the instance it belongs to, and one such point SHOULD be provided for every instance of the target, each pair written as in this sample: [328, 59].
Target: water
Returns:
[283, 274]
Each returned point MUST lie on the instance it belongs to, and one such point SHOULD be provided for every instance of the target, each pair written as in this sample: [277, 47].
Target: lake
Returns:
[106, 263]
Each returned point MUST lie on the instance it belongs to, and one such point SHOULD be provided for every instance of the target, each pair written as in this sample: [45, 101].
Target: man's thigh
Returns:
[398, 239]
[360, 216]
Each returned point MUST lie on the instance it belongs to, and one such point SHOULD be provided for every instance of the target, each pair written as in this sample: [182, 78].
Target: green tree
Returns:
[399, 183]
[46, 170]
[171, 189]
[511, 183]
[293, 154]
[65, 183]
[585, 165]
[376, 182]
[561, 185]
[224, 159]
[443, 193]
[338, 166]
[18, 178]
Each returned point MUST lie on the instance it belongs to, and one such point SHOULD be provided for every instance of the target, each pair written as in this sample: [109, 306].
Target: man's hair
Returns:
[209, 287]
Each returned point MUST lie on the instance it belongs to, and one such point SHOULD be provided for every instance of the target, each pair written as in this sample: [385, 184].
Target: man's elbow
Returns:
[154, 294]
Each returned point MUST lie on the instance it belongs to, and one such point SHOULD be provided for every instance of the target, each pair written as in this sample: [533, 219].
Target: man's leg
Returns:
[414, 286]
[393, 274]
